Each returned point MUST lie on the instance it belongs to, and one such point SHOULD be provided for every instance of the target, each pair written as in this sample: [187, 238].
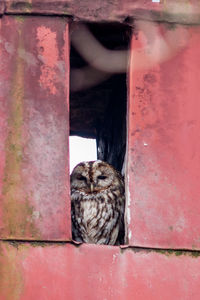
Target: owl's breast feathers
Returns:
[97, 217]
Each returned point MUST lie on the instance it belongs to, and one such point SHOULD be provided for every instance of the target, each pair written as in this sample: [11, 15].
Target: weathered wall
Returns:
[34, 71]
[112, 11]
[162, 172]
[63, 271]
[163, 164]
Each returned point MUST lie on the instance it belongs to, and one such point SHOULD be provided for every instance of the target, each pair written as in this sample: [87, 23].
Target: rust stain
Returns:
[48, 54]
[17, 212]
[11, 279]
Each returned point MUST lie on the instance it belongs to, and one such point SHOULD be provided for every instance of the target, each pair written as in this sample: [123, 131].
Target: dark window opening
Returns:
[99, 112]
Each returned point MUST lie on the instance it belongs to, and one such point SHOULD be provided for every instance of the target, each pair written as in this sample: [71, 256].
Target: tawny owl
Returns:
[97, 203]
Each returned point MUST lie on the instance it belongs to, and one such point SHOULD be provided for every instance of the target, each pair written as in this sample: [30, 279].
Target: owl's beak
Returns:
[91, 187]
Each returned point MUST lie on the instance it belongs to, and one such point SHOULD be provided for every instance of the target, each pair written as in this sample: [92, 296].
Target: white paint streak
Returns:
[114, 257]
[35, 215]
[128, 199]
[41, 58]
[180, 224]
[128, 207]
[28, 57]
[61, 67]
[9, 48]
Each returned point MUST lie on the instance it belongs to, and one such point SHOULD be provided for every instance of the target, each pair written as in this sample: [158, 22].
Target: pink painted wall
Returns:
[163, 151]
[95, 272]
[34, 79]
[162, 176]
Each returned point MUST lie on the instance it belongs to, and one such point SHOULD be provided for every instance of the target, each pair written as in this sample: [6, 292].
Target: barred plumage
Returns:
[97, 203]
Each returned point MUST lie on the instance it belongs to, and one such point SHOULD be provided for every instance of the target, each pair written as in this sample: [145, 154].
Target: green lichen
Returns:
[166, 252]
[17, 211]
[20, 245]
[195, 253]
[11, 279]
[20, 18]
[170, 252]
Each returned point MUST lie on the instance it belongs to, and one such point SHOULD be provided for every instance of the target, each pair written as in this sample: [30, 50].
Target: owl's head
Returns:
[93, 176]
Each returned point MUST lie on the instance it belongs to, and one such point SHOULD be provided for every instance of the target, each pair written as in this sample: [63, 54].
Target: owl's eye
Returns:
[81, 177]
[102, 177]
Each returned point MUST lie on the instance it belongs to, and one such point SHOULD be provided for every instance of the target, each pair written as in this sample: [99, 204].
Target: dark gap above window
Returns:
[100, 111]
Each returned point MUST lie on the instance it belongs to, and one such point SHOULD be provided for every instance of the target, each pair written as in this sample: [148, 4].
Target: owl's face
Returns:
[92, 176]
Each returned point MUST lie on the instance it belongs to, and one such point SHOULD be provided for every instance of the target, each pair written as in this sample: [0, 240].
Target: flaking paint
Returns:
[48, 54]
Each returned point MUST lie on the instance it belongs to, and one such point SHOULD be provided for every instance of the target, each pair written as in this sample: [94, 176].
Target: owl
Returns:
[97, 203]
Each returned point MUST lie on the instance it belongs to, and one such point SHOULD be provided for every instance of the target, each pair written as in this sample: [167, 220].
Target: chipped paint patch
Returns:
[48, 54]
[115, 257]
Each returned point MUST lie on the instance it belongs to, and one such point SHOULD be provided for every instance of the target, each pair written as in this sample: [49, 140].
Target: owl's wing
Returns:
[121, 234]
[76, 234]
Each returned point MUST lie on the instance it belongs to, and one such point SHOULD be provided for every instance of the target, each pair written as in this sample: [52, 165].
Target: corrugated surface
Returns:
[113, 10]
[163, 151]
[95, 273]
[34, 185]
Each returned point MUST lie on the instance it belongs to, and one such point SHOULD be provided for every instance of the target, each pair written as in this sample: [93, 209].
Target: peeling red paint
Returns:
[48, 54]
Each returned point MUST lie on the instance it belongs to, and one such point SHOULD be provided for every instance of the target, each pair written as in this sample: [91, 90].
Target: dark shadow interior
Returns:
[100, 112]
